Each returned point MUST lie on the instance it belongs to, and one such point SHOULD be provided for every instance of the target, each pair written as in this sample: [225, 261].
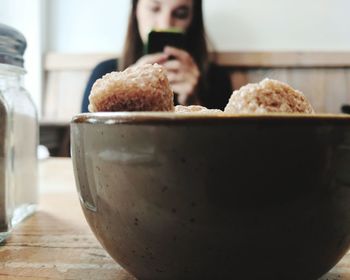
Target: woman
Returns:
[191, 76]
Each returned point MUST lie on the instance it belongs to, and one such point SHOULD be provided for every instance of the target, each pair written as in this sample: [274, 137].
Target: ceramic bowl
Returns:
[173, 196]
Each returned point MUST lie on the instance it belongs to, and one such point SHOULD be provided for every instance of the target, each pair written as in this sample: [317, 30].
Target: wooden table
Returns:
[56, 242]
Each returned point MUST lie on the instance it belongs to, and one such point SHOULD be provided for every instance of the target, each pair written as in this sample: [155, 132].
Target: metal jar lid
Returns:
[12, 46]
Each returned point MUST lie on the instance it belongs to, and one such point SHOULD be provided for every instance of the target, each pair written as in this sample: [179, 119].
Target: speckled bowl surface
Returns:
[189, 196]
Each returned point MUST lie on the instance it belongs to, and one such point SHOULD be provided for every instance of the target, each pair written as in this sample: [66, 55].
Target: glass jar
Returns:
[19, 133]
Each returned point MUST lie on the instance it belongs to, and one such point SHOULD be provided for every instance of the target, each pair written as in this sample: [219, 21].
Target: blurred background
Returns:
[304, 43]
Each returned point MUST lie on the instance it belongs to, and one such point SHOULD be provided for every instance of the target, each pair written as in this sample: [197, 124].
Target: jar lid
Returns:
[12, 46]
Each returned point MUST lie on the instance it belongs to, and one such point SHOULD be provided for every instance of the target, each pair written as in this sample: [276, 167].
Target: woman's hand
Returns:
[159, 58]
[182, 72]
[183, 75]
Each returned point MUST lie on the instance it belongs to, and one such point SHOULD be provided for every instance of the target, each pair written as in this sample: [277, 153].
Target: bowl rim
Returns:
[110, 118]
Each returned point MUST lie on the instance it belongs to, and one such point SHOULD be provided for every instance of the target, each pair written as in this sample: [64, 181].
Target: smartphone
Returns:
[158, 39]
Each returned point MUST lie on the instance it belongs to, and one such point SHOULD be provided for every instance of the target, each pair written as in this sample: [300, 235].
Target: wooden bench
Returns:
[324, 77]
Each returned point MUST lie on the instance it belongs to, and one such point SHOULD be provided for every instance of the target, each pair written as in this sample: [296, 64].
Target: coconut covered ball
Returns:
[138, 88]
[268, 96]
[195, 109]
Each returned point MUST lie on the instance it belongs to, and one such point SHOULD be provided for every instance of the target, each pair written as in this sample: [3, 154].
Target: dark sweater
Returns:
[214, 95]
[101, 69]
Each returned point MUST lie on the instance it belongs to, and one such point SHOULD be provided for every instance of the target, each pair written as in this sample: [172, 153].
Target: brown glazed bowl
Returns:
[190, 196]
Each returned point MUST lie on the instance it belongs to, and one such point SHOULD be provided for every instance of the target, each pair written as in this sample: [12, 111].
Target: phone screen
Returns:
[157, 40]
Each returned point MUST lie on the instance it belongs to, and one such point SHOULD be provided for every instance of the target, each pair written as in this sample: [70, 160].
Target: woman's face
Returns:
[163, 14]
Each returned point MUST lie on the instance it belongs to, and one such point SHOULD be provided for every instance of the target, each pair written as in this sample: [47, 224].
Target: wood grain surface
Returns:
[56, 242]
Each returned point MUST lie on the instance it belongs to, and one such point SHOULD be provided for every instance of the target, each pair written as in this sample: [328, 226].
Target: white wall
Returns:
[279, 24]
[99, 26]
[27, 17]
[77, 26]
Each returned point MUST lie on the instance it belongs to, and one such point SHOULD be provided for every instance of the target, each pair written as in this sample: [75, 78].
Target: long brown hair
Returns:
[196, 45]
